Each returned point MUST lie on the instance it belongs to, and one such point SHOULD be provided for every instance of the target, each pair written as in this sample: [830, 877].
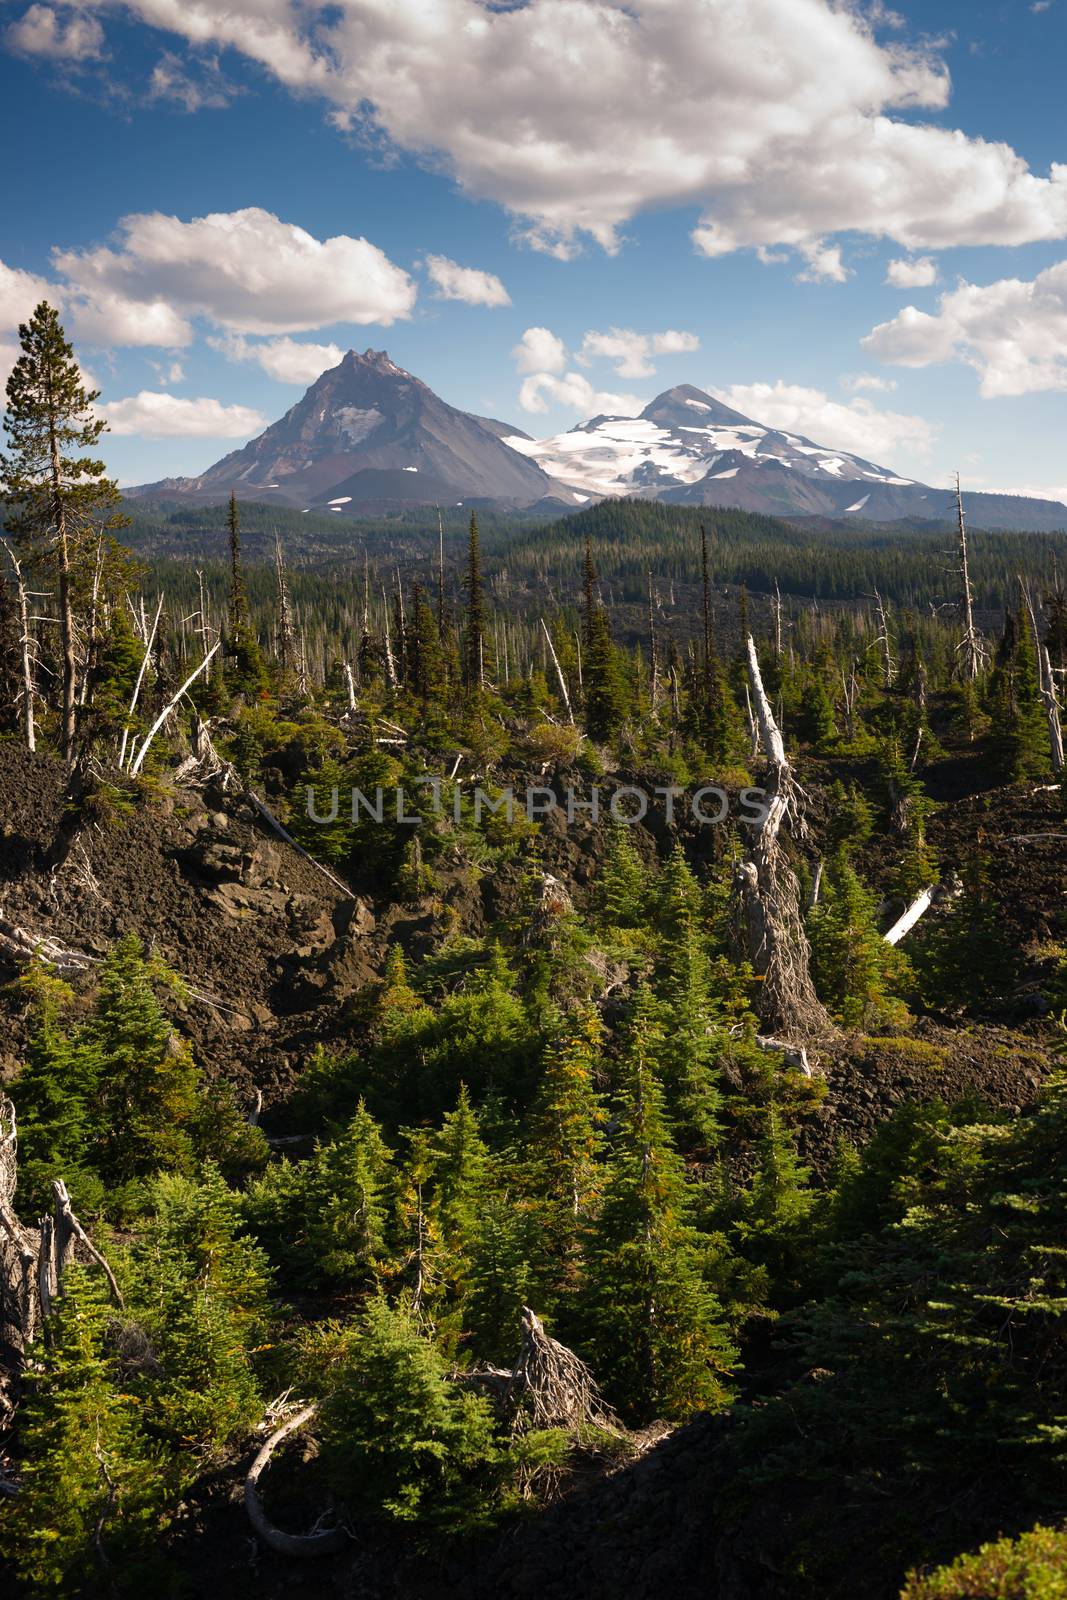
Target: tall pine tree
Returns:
[55, 489]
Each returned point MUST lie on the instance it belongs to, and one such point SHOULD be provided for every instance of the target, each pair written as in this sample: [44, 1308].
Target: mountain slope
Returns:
[369, 433]
[369, 437]
[687, 448]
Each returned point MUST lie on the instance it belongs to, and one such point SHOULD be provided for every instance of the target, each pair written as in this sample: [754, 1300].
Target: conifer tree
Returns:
[420, 1264]
[199, 1292]
[238, 601]
[422, 650]
[54, 1095]
[567, 1142]
[500, 1277]
[146, 1097]
[656, 1336]
[589, 599]
[778, 1201]
[693, 1034]
[56, 491]
[461, 1174]
[93, 1489]
[347, 1219]
[605, 691]
[853, 966]
[623, 886]
[1018, 737]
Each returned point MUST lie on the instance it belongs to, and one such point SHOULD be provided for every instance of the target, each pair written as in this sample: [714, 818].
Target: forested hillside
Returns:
[531, 1054]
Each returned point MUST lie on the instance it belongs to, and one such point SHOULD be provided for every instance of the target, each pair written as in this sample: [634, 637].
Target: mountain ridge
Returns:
[368, 436]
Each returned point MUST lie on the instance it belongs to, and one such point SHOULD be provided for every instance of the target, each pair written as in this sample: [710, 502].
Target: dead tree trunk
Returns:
[138, 760]
[321, 1541]
[26, 645]
[1046, 685]
[33, 1260]
[889, 666]
[559, 674]
[19, 1250]
[972, 649]
[769, 929]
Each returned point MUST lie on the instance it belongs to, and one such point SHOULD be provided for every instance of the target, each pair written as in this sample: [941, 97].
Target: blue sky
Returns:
[740, 172]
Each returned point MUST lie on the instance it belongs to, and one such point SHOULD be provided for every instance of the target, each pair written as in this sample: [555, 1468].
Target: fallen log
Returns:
[904, 924]
[320, 1542]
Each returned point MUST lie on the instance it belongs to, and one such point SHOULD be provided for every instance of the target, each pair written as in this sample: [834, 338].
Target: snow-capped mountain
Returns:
[367, 434]
[688, 448]
[685, 438]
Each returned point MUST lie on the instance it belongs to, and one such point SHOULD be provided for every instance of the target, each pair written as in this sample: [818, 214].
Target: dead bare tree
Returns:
[1046, 683]
[769, 928]
[885, 639]
[137, 761]
[320, 1541]
[550, 1387]
[971, 647]
[27, 646]
[145, 659]
[33, 1260]
[287, 652]
[559, 674]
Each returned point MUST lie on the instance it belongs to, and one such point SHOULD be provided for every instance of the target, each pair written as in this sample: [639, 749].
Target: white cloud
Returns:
[172, 81]
[245, 270]
[824, 263]
[540, 350]
[1013, 332]
[574, 392]
[287, 360]
[104, 317]
[855, 382]
[20, 293]
[9, 354]
[168, 371]
[631, 351]
[475, 288]
[858, 426]
[42, 31]
[918, 273]
[780, 119]
[166, 416]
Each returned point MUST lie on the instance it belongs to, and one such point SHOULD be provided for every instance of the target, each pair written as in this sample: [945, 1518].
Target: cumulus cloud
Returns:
[855, 382]
[20, 292]
[475, 288]
[574, 392]
[539, 350]
[70, 36]
[104, 317]
[631, 351]
[780, 119]
[9, 354]
[859, 426]
[918, 273]
[544, 357]
[166, 416]
[246, 270]
[825, 264]
[287, 360]
[1013, 332]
